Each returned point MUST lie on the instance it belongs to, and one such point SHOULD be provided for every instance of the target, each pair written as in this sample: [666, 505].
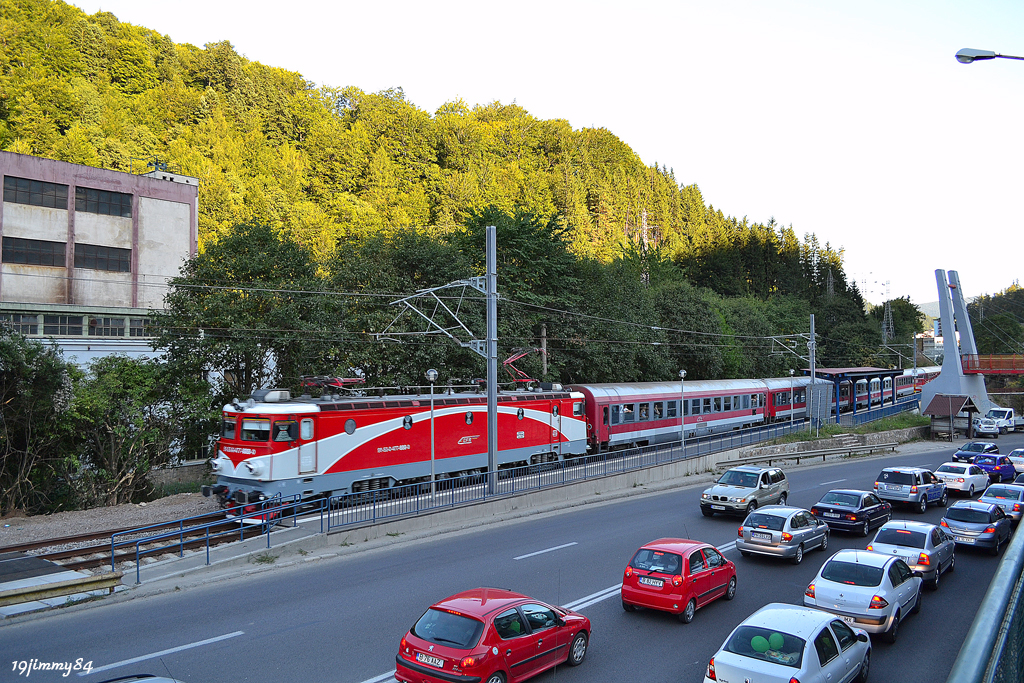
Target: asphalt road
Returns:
[341, 620]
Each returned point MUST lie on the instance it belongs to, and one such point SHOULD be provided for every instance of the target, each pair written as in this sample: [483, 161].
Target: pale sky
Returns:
[850, 120]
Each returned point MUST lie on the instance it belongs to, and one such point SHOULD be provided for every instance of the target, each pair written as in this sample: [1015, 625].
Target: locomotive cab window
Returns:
[227, 429]
[286, 430]
[577, 409]
[307, 429]
[255, 430]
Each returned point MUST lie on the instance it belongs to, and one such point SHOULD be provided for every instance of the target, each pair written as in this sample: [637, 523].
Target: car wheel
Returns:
[922, 504]
[707, 513]
[799, 557]
[496, 677]
[970, 491]
[824, 542]
[686, 616]
[890, 635]
[745, 553]
[917, 604]
[730, 592]
[578, 649]
[628, 607]
[944, 499]
[994, 550]
[866, 529]
[934, 583]
[752, 506]
[782, 499]
[865, 666]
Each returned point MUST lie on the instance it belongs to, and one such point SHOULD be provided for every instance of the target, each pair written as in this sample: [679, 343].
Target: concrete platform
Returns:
[18, 570]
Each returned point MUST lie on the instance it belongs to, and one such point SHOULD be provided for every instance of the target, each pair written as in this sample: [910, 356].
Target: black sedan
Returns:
[967, 452]
[852, 510]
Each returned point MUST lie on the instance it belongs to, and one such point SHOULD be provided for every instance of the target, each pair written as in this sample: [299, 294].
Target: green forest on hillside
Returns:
[320, 205]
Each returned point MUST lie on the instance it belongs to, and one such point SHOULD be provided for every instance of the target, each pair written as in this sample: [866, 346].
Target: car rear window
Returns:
[656, 561]
[1002, 493]
[767, 645]
[984, 460]
[968, 515]
[903, 537]
[445, 628]
[852, 573]
[904, 478]
[760, 520]
[951, 469]
[744, 479]
[847, 499]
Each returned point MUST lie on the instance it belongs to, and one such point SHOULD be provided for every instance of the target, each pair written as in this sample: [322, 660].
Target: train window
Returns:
[469, 416]
[520, 413]
[286, 430]
[616, 414]
[736, 402]
[707, 406]
[695, 407]
[718, 404]
[255, 430]
[350, 426]
[670, 409]
[604, 411]
[658, 410]
[627, 413]
[577, 409]
[645, 411]
[407, 422]
[227, 429]
[727, 403]
[746, 401]
[554, 409]
[306, 429]
[755, 401]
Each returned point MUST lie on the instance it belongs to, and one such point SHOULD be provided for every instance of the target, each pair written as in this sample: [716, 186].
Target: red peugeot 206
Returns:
[490, 635]
[677, 575]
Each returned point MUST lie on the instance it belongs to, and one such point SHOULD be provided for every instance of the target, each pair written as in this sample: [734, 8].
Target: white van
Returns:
[1004, 419]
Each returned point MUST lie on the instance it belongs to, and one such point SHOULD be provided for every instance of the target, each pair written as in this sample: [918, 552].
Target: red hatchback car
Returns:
[490, 635]
[677, 575]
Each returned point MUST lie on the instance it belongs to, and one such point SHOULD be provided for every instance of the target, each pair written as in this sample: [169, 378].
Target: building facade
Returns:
[87, 252]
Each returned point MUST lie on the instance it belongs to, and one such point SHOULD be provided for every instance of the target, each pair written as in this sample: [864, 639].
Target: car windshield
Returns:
[1017, 453]
[745, 479]
[974, 447]
[952, 469]
[656, 561]
[888, 477]
[445, 628]
[1002, 493]
[767, 645]
[968, 515]
[984, 460]
[760, 520]
[847, 499]
[903, 537]
[996, 414]
[852, 573]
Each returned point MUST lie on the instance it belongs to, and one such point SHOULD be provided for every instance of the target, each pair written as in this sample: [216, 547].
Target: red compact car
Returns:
[490, 635]
[677, 575]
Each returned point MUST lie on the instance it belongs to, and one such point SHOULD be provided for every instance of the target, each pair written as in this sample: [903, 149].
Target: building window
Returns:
[106, 327]
[139, 327]
[103, 258]
[103, 202]
[20, 322]
[35, 193]
[33, 252]
[62, 325]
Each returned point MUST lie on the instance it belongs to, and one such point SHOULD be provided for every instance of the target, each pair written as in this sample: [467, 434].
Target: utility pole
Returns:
[492, 359]
[544, 351]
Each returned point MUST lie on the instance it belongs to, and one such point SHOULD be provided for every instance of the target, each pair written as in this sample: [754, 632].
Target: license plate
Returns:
[760, 535]
[647, 581]
[717, 507]
[893, 487]
[849, 620]
[963, 539]
[831, 514]
[432, 661]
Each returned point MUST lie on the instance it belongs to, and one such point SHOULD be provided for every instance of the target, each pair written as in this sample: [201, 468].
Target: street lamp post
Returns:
[969, 55]
[682, 418]
[792, 399]
[431, 377]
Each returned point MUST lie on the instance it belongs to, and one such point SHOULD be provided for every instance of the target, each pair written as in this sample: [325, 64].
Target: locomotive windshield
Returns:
[227, 429]
[255, 430]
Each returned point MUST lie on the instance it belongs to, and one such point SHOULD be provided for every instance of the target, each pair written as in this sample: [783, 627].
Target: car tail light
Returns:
[852, 518]
[990, 530]
[629, 571]
[787, 536]
[876, 484]
[878, 602]
[1016, 507]
[814, 511]
[959, 480]
[793, 680]
[677, 580]
[943, 523]
[470, 661]
[913, 489]
[405, 645]
[739, 532]
[711, 670]
[870, 547]
[810, 591]
[923, 559]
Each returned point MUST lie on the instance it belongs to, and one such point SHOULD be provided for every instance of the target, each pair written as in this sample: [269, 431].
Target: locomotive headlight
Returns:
[255, 468]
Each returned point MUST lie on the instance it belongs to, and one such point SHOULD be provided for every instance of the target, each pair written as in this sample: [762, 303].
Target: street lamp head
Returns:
[791, 371]
[968, 55]
[682, 374]
[431, 375]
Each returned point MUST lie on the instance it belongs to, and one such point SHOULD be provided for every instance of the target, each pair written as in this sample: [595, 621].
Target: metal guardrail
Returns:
[993, 651]
[17, 596]
[823, 452]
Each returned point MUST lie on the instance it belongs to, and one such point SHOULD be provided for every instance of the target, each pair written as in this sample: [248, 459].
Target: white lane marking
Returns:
[546, 550]
[607, 593]
[389, 676]
[826, 483]
[153, 655]
[727, 547]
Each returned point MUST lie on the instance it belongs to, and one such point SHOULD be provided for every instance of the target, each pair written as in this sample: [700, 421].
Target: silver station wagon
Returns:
[781, 531]
[925, 548]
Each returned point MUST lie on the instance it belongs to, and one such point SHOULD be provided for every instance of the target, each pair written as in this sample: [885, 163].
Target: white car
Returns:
[986, 427]
[963, 477]
[780, 643]
[1016, 456]
[867, 590]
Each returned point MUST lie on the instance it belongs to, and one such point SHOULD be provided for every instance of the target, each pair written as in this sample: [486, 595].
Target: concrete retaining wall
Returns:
[190, 472]
[897, 435]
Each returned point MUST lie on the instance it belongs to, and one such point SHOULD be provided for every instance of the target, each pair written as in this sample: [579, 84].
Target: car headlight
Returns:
[705, 495]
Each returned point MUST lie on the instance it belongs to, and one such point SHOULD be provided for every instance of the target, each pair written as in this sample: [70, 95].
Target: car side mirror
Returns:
[862, 637]
[559, 621]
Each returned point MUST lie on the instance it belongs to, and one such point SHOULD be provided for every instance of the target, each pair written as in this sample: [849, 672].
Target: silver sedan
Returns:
[781, 531]
[925, 548]
[867, 590]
